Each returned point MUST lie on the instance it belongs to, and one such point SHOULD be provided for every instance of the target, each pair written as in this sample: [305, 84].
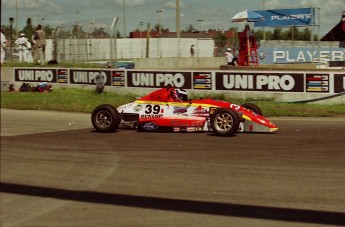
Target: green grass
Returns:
[85, 100]
[62, 99]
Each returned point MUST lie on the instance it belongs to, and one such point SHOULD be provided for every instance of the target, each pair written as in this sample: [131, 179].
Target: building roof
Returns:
[338, 32]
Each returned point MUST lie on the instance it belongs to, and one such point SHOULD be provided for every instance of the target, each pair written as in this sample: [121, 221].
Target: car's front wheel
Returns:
[105, 118]
[225, 122]
[252, 107]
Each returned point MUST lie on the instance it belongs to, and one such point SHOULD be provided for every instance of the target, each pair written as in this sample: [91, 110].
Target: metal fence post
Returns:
[113, 28]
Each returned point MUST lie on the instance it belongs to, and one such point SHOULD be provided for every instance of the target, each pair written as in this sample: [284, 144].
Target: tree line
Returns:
[292, 33]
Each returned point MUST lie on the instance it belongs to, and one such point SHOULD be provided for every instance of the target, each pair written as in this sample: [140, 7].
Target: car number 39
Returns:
[152, 109]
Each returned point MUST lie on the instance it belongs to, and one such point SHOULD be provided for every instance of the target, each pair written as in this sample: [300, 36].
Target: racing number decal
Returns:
[234, 106]
[152, 109]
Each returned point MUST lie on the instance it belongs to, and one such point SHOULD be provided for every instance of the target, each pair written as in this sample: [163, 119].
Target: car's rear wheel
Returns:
[252, 107]
[225, 122]
[105, 118]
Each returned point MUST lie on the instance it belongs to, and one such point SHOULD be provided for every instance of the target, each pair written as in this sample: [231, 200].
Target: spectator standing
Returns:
[40, 45]
[34, 47]
[29, 52]
[22, 43]
[192, 50]
[3, 45]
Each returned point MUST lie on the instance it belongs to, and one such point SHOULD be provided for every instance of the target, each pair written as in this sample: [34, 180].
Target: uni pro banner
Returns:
[286, 17]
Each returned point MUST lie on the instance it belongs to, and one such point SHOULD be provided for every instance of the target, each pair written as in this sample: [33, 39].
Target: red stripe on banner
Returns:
[62, 72]
[200, 77]
[314, 78]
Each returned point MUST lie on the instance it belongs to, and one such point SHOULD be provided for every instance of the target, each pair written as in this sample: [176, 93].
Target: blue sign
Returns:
[290, 55]
[286, 17]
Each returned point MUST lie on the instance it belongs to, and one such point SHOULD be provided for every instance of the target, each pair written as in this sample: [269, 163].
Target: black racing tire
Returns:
[105, 118]
[252, 107]
[225, 122]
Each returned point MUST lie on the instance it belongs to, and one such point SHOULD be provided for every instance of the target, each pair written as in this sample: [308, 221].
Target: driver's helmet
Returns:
[181, 95]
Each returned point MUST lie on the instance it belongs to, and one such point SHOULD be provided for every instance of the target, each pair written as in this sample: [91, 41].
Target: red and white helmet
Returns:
[181, 94]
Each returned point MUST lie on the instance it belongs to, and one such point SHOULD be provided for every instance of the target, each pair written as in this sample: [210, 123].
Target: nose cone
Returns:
[272, 127]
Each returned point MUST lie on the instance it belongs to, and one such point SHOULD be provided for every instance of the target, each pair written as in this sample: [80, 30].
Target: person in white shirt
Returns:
[230, 58]
[3, 45]
[22, 43]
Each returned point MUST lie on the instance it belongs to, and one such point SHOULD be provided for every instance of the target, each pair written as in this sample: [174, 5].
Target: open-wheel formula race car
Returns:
[169, 109]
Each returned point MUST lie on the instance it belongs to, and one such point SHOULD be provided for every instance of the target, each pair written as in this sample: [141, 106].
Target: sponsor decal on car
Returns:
[191, 129]
[137, 108]
[151, 116]
[149, 126]
[125, 107]
[180, 110]
[181, 123]
[176, 129]
[201, 111]
[212, 110]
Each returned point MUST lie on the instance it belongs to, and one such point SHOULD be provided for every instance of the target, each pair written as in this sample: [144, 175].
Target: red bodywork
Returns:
[167, 95]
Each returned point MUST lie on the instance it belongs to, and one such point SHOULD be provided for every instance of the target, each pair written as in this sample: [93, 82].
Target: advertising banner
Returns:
[62, 75]
[202, 80]
[316, 82]
[266, 81]
[35, 75]
[339, 83]
[87, 76]
[278, 82]
[154, 79]
[282, 55]
[118, 78]
[286, 17]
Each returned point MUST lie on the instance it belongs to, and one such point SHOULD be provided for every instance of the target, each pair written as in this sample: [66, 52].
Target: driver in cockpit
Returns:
[180, 95]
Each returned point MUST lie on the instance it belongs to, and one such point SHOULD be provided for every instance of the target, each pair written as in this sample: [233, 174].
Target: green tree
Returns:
[158, 27]
[233, 41]
[191, 28]
[292, 33]
[48, 30]
[306, 35]
[277, 34]
[100, 33]
[29, 29]
[259, 35]
[220, 40]
[7, 31]
[118, 34]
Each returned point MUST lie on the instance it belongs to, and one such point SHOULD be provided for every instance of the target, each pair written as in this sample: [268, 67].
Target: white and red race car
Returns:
[169, 109]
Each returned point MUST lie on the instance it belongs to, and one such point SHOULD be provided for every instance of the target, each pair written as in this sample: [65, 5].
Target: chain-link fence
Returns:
[69, 46]
[73, 44]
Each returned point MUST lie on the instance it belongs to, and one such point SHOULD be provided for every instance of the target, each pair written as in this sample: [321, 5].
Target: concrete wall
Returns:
[100, 49]
[179, 63]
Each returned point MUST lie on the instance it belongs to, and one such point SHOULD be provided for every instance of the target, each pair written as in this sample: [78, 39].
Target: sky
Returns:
[201, 14]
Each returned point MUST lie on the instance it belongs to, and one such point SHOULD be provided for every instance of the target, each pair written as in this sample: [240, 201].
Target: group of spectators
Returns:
[29, 50]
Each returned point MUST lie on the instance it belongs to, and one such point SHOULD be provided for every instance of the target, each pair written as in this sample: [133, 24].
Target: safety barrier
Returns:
[280, 85]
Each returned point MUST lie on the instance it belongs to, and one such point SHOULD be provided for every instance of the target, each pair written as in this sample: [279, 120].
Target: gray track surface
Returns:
[56, 171]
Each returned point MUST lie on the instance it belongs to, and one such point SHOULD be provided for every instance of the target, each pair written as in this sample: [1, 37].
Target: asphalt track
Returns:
[56, 171]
